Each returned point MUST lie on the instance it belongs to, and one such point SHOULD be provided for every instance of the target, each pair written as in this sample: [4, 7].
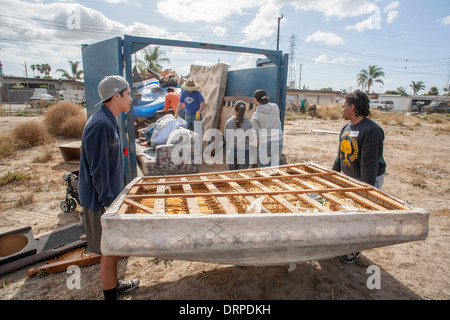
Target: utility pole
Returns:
[300, 78]
[278, 33]
[26, 70]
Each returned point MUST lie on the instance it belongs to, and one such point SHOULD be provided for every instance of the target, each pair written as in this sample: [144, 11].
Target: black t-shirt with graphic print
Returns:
[360, 152]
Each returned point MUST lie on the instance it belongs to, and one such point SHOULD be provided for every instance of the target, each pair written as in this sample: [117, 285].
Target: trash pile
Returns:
[168, 147]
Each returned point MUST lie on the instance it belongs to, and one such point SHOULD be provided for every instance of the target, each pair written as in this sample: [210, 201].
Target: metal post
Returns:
[278, 33]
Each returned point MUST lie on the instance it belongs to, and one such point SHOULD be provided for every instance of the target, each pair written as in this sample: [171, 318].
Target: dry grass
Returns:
[44, 156]
[10, 177]
[31, 133]
[6, 144]
[25, 200]
[323, 111]
[332, 112]
[65, 119]
[73, 127]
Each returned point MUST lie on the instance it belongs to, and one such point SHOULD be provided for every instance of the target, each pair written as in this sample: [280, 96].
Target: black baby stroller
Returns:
[71, 192]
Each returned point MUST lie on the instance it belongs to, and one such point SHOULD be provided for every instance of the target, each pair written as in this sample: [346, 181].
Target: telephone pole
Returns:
[300, 78]
[278, 33]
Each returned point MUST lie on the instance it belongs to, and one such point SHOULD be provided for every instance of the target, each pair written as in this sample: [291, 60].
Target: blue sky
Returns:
[334, 39]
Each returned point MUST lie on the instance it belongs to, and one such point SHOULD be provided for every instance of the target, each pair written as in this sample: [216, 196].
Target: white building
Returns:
[404, 103]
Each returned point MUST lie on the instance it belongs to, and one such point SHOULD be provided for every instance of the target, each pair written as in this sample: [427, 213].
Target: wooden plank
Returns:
[124, 206]
[139, 206]
[62, 262]
[257, 193]
[160, 203]
[192, 202]
[206, 174]
[242, 191]
[303, 197]
[274, 195]
[351, 195]
[226, 205]
[374, 192]
[328, 197]
[192, 182]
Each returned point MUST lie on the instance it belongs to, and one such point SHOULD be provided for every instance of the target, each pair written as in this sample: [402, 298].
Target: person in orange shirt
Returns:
[172, 98]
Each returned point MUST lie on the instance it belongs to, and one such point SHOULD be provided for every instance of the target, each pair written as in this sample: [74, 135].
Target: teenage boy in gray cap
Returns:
[100, 177]
[267, 124]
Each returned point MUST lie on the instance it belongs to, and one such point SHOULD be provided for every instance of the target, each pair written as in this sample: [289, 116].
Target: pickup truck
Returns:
[386, 105]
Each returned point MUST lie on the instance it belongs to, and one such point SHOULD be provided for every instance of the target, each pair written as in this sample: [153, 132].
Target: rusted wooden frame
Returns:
[353, 195]
[124, 206]
[242, 191]
[329, 197]
[192, 202]
[249, 193]
[303, 197]
[275, 195]
[226, 205]
[160, 203]
[279, 176]
[206, 174]
[372, 194]
[185, 181]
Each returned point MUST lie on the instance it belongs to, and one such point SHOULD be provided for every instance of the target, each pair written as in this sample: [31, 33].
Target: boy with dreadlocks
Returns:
[360, 152]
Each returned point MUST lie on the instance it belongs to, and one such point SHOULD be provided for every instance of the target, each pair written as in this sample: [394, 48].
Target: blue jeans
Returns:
[268, 157]
[182, 113]
[237, 160]
[190, 118]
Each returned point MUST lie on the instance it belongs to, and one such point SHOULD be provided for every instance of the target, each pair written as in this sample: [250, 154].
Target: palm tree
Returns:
[153, 60]
[417, 86]
[434, 91]
[75, 73]
[369, 76]
[362, 80]
[45, 68]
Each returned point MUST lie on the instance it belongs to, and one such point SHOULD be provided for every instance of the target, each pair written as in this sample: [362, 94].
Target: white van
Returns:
[386, 105]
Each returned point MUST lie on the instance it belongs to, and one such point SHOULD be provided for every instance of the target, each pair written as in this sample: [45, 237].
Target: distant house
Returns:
[20, 89]
[313, 96]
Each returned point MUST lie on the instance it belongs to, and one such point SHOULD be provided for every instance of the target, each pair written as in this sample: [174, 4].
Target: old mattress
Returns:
[277, 215]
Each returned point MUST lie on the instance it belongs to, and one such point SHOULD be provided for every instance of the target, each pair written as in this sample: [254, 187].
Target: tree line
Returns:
[44, 71]
[366, 78]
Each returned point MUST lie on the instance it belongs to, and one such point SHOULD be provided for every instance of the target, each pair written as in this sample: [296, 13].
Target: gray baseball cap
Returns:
[111, 85]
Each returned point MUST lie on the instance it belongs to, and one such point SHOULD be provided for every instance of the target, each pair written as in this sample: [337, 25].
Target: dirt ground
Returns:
[417, 152]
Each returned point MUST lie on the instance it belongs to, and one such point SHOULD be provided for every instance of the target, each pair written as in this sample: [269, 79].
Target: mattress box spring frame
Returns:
[308, 213]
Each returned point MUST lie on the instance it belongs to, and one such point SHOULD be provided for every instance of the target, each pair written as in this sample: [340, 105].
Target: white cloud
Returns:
[264, 12]
[392, 15]
[115, 1]
[327, 37]
[264, 24]
[220, 31]
[333, 8]
[391, 6]
[372, 22]
[61, 28]
[445, 21]
[203, 11]
[323, 58]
